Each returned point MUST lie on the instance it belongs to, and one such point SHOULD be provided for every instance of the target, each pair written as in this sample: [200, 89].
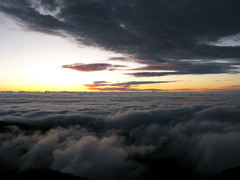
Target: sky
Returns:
[119, 45]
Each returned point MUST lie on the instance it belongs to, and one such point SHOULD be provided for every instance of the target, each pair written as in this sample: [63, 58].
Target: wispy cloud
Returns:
[92, 67]
[123, 89]
[123, 86]
[185, 68]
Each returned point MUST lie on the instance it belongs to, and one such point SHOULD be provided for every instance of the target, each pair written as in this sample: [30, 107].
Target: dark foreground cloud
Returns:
[120, 135]
[153, 31]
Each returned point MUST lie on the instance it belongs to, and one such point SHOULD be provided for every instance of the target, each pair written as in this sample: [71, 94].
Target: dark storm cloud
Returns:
[92, 67]
[153, 31]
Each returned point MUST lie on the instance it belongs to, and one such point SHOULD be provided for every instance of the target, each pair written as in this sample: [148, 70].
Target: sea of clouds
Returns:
[120, 135]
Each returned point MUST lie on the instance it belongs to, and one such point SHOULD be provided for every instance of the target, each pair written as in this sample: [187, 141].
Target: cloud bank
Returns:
[189, 37]
[120, 135]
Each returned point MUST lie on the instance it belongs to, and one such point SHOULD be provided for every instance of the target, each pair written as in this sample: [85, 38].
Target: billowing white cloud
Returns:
[120, 135]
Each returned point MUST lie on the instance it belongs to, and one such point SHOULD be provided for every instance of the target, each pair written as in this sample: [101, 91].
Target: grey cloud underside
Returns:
[156, 31]
[197, 69]
[121, 135]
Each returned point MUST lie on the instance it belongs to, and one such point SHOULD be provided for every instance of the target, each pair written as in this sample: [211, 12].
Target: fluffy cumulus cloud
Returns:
[187, 37]
[120, 135]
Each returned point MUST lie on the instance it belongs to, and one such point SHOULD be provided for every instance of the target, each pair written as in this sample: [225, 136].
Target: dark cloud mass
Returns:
[183, 68]
[153, 31]
[120, 135]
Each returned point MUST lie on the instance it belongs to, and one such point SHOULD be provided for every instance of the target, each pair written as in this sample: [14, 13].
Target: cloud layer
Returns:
[184, 36]
[120, 135]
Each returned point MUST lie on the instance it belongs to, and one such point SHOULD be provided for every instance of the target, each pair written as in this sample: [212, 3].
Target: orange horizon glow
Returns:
[84, 89]
[66, 66]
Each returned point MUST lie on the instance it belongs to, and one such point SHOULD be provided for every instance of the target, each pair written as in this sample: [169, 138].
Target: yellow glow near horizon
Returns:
[32, 61]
